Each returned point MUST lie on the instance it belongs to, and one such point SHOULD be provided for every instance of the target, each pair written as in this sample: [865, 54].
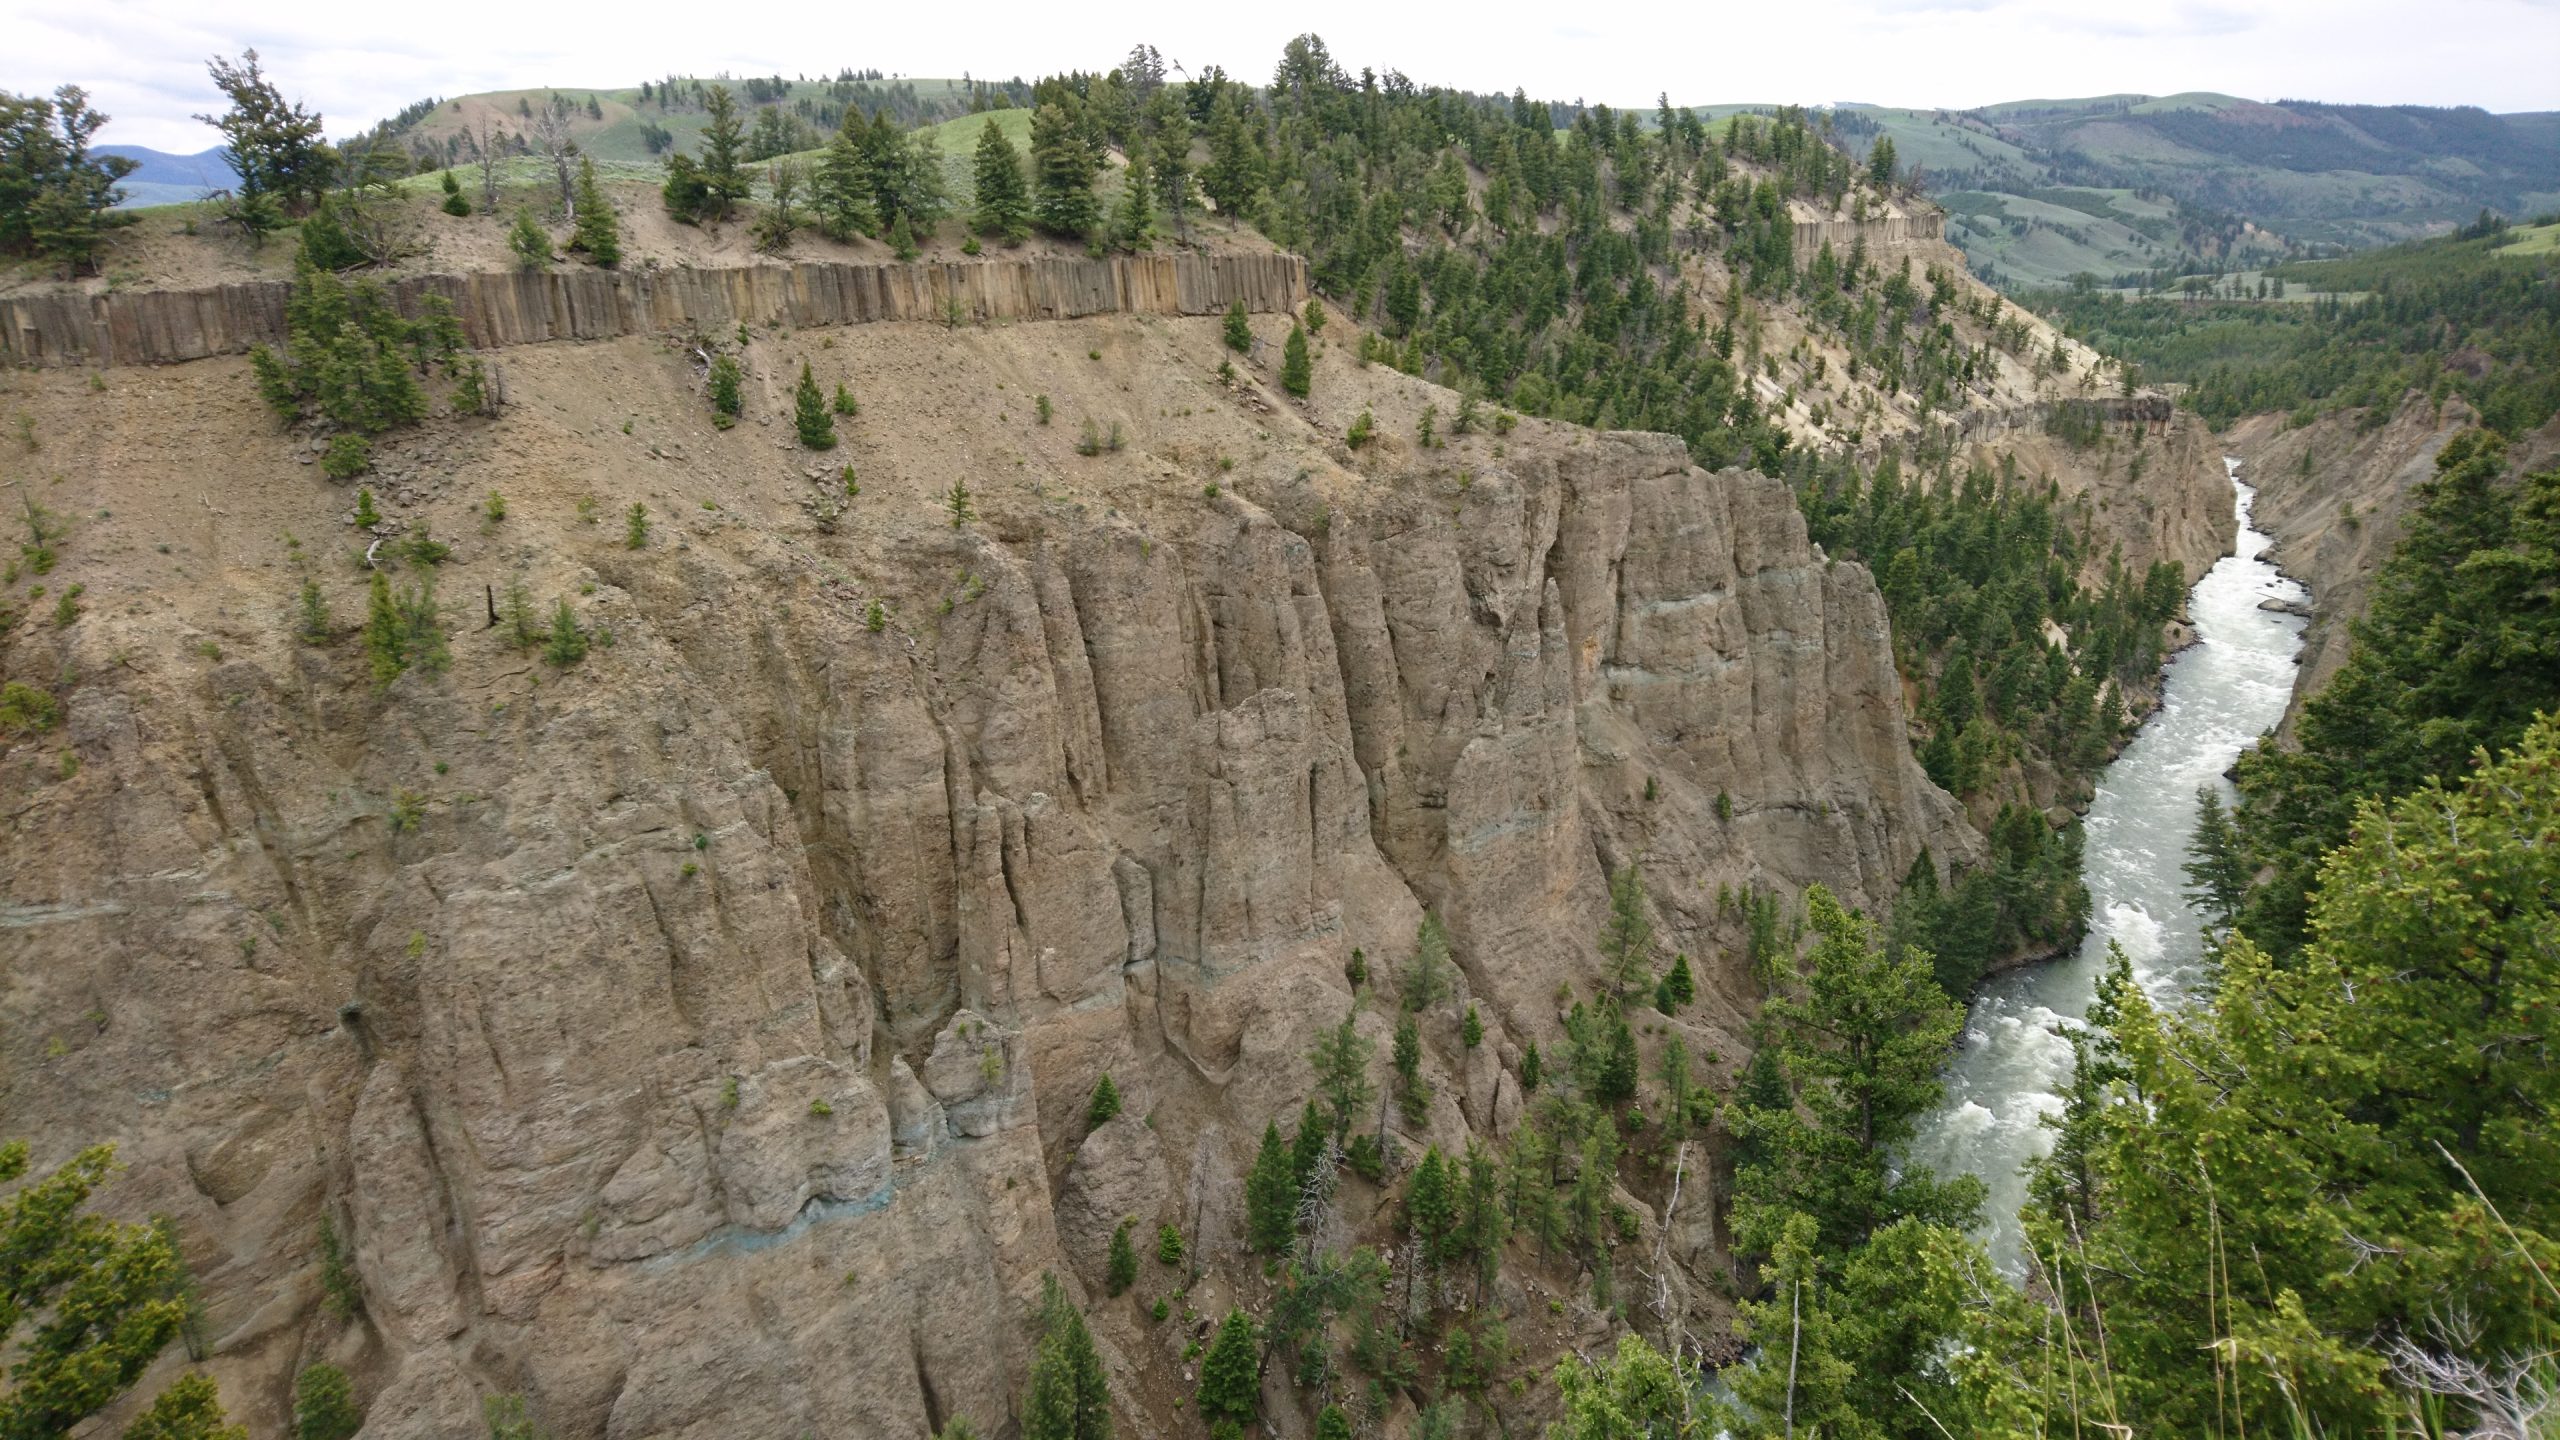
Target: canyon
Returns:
[697, 1041]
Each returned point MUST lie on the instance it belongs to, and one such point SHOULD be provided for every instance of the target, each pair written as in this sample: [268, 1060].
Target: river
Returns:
[2221, 694]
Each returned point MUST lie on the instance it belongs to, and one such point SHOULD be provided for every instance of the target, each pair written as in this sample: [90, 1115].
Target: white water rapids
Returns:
[2222, 693]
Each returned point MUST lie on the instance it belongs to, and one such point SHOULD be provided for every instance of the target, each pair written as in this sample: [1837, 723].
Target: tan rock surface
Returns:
[531, 978]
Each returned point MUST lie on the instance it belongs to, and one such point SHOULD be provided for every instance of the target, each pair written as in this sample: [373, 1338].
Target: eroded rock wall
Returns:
[698, 1041]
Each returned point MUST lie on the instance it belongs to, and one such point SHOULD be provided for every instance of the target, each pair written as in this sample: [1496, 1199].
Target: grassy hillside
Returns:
[2477, 317]
[2239, 181]
[624, 125]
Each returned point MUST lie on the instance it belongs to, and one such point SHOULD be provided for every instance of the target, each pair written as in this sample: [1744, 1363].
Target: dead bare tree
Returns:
[487, 143]
[551, 139]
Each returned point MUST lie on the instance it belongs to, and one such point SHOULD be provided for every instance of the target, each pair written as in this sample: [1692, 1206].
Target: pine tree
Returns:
[1070, 1396]
[1064, 164]
[1104, 1105]
[382, 647]
[1626, 941]
[105, 1291]
[1122, 1267]
[1426, 978]
[1675, 1086]
[1231, 1373]
[1880, 168]
[1239, 331]
[843, 191]
[1860, 1043]
[1270, 1197]
[1332, 1424]
[1170, 157]
[1471, 1031]
[1133, 226]
[1341, 1062]
[568, 643]
[724, 177]
[902, 238]
[1004, 198]
[1235, 169]
[1533, 1070]
[1431, 1204]
[1614, 1083]
[1168, 1245]
[2217, 866]
[1297, 372]
[314, 627]
[727, 398]
[599, 232]
[1306, 1149]
[817, 426]
[962, 508]
[1677, 987]
[1413, 1093]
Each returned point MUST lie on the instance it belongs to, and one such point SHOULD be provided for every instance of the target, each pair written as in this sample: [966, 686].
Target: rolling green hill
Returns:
[2039, 190]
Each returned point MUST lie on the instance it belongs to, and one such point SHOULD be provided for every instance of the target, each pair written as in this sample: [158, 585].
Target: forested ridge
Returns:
[2465, 316]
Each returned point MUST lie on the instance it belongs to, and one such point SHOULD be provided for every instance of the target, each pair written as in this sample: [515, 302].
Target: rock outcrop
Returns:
[697, 1041]
[525, 307]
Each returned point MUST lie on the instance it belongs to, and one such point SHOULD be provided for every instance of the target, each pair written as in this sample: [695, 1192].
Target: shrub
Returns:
[424, 549]
[726, 402]
[844, 403]
[338, 1284]
[568, 643]
[314, 627]
[530, 241]
[1089, 442]
[25, 709]
[324, 1405]
[1040, 404]
[348, 456]
[1362, 429]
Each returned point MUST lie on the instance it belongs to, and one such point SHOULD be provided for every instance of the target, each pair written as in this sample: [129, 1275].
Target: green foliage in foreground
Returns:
[2337, 1176]
[2457, 652]
[86, 1304]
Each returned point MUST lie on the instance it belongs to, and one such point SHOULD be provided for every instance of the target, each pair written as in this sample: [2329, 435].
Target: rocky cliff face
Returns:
[697, 1040]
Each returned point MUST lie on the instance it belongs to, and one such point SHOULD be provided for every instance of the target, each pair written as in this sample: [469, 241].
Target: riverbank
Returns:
[2218, 696]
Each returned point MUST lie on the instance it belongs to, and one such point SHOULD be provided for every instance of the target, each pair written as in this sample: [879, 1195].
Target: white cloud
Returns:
[143, 60]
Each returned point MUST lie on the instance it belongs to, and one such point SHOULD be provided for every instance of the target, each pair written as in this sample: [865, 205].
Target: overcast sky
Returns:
[143, 60]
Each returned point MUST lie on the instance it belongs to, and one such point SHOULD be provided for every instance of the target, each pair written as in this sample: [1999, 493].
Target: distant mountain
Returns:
[166, 179]
[2039, 190]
